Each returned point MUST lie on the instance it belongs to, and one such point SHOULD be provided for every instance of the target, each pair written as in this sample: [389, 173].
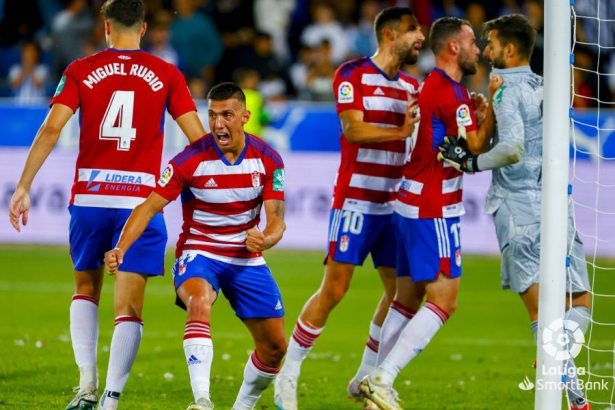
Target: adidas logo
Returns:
[193, 360]
[278, 305]
[123, 57]
[378, 91]
[211, 183]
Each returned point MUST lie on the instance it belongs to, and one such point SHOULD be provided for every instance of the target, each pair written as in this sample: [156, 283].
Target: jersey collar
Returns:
[513, 70]
[124, 51]
[383, 73]
[223, 158]
[441, 71]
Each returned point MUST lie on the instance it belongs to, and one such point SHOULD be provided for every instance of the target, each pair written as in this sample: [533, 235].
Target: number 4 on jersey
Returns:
[117, 122]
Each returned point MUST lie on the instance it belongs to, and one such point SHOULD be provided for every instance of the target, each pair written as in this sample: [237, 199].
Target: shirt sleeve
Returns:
[179, 100]
[456, 114]
[172, 181]
[347, 89]
[67, 92]
[274, 181]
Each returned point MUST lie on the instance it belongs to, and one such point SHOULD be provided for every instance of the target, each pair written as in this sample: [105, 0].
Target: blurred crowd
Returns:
[277, 49]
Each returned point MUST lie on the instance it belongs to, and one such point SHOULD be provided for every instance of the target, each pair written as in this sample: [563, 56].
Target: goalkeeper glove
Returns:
[455, 151]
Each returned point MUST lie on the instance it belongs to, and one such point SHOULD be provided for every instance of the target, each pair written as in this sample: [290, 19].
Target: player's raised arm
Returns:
[134, 227]
[357, 131]
[191, 126]
[46, 138]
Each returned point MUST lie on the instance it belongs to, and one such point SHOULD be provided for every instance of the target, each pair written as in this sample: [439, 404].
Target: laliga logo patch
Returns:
[345, 93]
[166, 176]
[463, 115]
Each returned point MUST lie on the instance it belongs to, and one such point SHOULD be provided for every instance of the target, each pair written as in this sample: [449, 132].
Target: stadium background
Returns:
[285, 52]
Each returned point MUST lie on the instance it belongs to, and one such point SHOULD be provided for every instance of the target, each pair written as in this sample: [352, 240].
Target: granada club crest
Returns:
[256, 179]
[344, 240]
[458, 257]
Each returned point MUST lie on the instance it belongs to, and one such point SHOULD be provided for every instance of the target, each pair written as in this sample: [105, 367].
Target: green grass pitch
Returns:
[475, 362]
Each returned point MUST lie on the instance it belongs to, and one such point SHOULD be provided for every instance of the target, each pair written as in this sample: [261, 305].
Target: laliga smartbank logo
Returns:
[563, 340]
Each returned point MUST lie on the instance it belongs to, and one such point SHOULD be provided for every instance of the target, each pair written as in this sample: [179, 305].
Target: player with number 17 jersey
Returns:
[429, 206]
[122, 97]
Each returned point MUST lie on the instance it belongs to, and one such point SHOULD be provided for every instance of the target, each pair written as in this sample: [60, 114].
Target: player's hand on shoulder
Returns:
[255, 240]
[412, 118]
[19, 208]
[454, 150]
[495, 82]
[113, 259]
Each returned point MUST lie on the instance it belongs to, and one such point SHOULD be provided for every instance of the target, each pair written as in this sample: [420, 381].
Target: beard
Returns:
[407, 55]
[498, 61]
[467, 64]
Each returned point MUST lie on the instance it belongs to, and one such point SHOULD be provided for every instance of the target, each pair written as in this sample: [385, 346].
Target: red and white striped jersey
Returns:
[122, 97]
[433, 189]
[220, 200]
[369, 174]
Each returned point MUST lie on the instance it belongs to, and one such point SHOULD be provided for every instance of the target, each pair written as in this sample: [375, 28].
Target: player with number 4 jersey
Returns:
[122, 94]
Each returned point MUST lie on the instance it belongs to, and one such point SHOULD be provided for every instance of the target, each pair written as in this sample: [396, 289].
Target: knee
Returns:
[273, 352]
[448, 306]
[199, 307]
[332, 294]
[278, 351]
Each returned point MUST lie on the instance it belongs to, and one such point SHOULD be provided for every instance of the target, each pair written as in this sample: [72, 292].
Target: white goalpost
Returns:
[554, 212]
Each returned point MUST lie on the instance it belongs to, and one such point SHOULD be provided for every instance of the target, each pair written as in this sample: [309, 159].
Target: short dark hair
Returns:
[124, 12]
[513, 29]
[389, 17]
[443, 30]
[226, 91]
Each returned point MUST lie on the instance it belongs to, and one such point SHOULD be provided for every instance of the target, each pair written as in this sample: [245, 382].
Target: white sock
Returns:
[413, 339]
[534, 327]
[370, 353]
[257, 376]
[397, 318]
[124, 347]
[199, 351]
[576, 397]
[301, 342]
[84, 338]
[580, 315]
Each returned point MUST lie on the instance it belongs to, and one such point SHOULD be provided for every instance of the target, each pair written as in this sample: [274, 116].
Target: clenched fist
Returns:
[113, 259]
[255, 240]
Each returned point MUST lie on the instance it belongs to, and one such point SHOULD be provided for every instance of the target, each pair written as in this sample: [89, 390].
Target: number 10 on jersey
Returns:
[117, 122]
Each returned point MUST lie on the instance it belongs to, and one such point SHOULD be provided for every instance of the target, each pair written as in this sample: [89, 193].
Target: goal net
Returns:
[592, 182]
[591, 187]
